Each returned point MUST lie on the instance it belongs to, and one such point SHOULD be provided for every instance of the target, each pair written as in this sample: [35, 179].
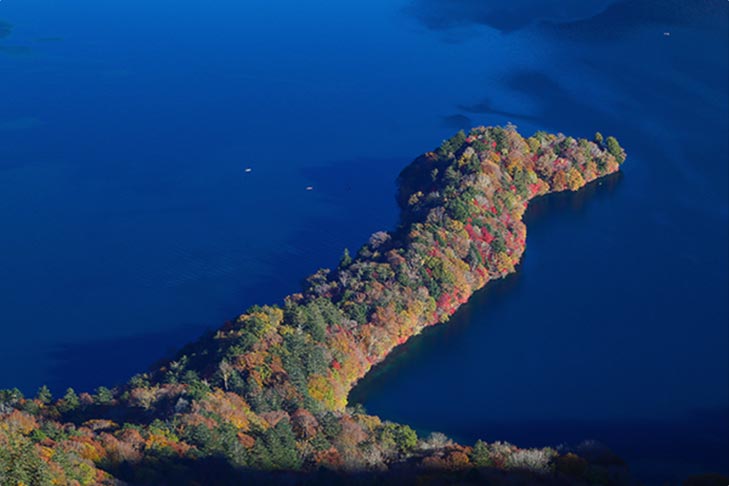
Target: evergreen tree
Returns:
[346, 259]
[282, 444]
[44, 395]
[20, 464]
[104, 396]
[480, 456]
[615, 149]
[70, 401]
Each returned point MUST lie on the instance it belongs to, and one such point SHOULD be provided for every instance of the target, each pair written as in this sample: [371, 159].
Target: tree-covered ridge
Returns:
[268, 391]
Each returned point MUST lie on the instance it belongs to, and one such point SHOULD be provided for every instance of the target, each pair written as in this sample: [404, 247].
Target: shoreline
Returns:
[269, 390]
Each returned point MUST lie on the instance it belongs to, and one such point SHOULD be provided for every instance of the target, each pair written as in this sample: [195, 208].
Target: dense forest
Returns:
[265, 396]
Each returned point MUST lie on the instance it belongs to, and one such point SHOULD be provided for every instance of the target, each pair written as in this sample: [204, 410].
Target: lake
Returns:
[130, 223]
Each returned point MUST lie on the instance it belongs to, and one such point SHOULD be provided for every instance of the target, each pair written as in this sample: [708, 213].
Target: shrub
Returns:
[535, 460]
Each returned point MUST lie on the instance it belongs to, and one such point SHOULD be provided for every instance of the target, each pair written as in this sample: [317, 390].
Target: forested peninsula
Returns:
[264, 398]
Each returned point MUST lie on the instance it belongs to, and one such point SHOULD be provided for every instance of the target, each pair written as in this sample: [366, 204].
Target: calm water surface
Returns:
[129, 224]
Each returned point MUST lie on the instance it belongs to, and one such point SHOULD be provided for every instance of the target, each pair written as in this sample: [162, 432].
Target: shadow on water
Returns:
[553, 100]
[596, 20]
[457, 121]
[502, 16]
[545, 208]
[625, 16]
[693, 443]
[216, 471]
[496, 295]
[658, 451]
[420, 347]
[86, 365]
[5, 29]
[485, 107]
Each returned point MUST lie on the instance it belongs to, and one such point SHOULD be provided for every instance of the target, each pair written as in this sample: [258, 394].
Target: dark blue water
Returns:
[129, 224]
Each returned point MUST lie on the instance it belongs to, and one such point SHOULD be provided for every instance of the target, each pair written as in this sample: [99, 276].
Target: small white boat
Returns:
[667, 34]
[248, 169]
[309, 188]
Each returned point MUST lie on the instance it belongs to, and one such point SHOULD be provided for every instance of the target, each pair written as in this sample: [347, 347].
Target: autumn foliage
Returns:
[268, 391]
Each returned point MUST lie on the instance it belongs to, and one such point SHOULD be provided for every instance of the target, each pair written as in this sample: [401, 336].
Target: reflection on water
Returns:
[424, 346]
[541, 209]
[497, 295]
